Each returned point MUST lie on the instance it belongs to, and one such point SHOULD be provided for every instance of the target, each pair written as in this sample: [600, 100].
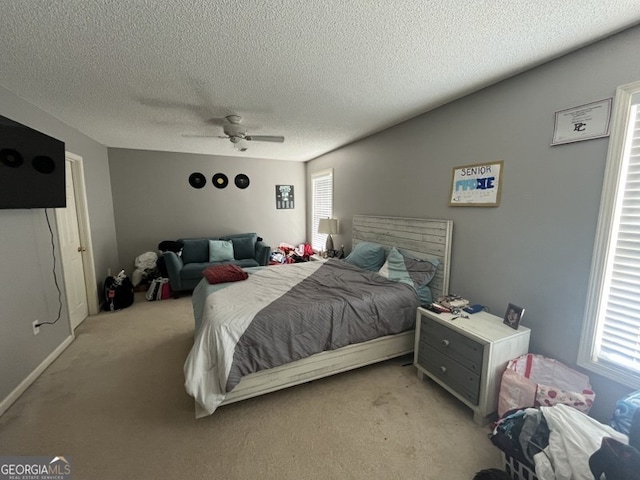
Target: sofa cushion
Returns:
[195, 250]
[244, 246]
[220, 250]
[192, 271]
[247, 262]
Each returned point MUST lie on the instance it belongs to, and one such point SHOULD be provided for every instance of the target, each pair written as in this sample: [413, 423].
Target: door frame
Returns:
[84, 231]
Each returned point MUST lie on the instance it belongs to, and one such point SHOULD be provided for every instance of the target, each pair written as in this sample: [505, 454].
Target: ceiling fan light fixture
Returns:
[235, 119]
[236, 132]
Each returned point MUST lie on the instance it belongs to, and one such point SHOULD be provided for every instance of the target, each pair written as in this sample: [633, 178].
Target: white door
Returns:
[71, 252]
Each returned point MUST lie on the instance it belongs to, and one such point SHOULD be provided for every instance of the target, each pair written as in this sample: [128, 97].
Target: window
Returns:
[322, 205]
[610, 343]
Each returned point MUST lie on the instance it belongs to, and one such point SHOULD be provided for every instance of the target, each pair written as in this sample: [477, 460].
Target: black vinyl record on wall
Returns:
[197, 180]
[43, 164]
[11, 158]
[242, 181]
[220, 180]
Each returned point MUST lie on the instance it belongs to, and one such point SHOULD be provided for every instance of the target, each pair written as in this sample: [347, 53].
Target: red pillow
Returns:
[224, 273]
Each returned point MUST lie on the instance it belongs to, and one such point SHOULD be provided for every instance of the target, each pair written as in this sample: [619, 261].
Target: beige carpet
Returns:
[114, 402]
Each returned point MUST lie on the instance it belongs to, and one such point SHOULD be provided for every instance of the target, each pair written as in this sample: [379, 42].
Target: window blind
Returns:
[618, 337]
[322, 186]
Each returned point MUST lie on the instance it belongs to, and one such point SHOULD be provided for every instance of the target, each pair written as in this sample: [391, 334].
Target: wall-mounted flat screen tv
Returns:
[32, 171]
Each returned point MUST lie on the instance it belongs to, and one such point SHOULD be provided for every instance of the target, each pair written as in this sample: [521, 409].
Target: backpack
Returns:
[118, 292]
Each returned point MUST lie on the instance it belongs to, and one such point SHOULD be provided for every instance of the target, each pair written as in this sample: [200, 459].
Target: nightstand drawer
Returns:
[451, 344]
[458, 378]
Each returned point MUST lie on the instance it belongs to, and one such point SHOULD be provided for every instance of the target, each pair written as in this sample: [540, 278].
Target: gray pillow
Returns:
[195, 250]
[244, 245]
[367, 255]
[403, 267]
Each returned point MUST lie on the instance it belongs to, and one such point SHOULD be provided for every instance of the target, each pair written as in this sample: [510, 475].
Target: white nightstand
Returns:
[467, 356]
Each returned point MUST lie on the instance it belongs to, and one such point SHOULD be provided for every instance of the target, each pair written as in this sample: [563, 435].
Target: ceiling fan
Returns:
[236, 132]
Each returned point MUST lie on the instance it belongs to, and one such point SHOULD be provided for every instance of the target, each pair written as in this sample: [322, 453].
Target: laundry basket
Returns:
[534, 380]
[516, 469]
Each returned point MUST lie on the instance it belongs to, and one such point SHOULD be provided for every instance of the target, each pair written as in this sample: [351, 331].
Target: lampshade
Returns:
[328, 225]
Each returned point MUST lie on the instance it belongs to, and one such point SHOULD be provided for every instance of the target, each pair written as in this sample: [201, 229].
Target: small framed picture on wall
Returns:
[284, 197]
[513, 316]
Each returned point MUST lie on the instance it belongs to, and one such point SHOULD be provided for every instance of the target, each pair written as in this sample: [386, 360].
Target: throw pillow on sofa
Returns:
[220, 251]
[244, 245]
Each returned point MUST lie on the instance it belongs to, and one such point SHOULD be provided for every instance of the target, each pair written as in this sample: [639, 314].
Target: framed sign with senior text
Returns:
[477, 185]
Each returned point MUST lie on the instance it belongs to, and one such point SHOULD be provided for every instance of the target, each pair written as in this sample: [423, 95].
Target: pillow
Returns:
[220, 251]
[196, 250]
[367, 255]
[224, 273]
[246, 247]
[402, 267]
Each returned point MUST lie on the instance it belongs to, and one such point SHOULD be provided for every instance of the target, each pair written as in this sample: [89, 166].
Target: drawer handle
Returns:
[445, 342]
[443, 368]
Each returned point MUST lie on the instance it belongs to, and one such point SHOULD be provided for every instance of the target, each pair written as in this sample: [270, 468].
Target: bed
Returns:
[229, 360]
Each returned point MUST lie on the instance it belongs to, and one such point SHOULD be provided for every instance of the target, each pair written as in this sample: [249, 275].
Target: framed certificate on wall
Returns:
[582, 123]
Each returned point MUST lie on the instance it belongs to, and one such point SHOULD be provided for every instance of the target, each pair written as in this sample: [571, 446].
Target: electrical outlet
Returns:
[36, 329]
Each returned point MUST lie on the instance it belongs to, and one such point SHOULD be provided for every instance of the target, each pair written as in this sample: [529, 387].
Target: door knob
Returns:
[82, 249]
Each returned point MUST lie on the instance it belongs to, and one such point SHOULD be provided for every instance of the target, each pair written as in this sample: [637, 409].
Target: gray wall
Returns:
[28, 291]
[535, 249]
[153, 200]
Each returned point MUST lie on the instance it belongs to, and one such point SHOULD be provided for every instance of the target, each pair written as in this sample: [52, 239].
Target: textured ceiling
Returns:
[156, 75]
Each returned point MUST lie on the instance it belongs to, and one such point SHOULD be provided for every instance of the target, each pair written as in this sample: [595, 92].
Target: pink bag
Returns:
[533, 380]
[159, 289]
[166, 291]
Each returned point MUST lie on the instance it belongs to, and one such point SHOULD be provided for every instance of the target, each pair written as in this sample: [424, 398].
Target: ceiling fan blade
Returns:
[217, 121]
[264, 138]
[196, 135]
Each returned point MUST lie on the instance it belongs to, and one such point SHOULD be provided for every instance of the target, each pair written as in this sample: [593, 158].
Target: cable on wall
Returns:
[55, 277]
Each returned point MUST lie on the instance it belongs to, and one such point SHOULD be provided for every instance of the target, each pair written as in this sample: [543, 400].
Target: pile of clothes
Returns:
[561, 442]
[289, 254]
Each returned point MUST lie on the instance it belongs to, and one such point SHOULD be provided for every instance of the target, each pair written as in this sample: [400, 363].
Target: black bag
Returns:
[118, 292]
[491, 474]
[616, 460]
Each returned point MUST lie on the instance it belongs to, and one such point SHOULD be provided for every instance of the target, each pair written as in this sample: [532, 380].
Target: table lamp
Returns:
[328, 226]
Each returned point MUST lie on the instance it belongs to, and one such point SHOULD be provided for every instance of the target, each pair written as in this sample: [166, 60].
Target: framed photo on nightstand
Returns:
[513, 316]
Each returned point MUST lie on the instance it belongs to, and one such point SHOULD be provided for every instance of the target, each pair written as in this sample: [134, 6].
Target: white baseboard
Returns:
[26, 383]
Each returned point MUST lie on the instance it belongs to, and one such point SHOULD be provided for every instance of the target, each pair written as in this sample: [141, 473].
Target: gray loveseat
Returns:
[185, 271]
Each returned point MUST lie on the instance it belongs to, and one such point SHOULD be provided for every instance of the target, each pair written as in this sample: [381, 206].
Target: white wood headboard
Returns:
[424, 238]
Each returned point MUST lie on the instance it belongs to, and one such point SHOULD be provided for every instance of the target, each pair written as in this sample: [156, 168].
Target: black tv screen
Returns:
[32, 171]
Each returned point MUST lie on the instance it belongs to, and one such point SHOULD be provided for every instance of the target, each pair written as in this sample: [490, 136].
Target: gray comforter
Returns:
[285, 313]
